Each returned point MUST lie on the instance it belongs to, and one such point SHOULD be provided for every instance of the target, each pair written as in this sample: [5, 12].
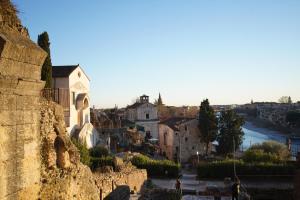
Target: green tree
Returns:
[275, 148]
[208, 123]
[46, 75]
[98, 152]
[285, 99]
[230, 132]
[293, 118]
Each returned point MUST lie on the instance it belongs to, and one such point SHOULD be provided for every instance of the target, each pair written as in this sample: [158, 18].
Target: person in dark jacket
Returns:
[235, 189]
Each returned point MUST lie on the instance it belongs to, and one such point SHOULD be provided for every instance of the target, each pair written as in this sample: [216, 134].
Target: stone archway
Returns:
[82, 106]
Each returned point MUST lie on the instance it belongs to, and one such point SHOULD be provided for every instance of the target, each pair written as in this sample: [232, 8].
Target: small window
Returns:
[147, 116]
[176, 133]
[79, 74]
[185, 128]
[73, 97]
[186, 139]
[193, 147]
[177, 148]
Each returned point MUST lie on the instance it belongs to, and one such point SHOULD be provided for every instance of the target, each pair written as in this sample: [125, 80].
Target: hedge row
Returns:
[222, 169]
[101, 162]
[157, 168]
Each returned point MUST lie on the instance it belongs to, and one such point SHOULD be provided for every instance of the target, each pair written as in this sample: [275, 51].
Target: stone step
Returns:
[194, 197]
[189, 177]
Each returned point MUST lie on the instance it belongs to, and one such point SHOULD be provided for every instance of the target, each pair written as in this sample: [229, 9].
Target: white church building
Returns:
[145, 114]
[71, 89]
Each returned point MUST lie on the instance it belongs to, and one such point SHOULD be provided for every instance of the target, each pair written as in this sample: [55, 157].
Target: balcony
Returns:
[60, 96]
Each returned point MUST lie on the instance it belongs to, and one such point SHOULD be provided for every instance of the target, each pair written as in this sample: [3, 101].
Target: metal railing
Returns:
[60, 96]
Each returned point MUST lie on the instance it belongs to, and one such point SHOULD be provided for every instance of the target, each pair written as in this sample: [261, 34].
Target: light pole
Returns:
[179, 149]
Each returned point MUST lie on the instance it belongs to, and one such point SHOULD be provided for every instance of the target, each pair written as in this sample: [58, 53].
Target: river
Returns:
[255, 135]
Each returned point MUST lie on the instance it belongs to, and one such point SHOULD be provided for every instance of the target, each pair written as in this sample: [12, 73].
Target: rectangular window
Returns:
[185, 128]
[73, 97]
[147, 116]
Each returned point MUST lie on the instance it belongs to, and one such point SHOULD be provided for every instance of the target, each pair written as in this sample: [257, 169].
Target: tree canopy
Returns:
[285, 99]
[46, 74]
[274, 148]
[230, 132]
[293, 118]
[208, 123]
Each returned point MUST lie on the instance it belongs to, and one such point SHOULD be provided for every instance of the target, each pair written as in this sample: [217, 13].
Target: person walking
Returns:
[235, 189]
[178, 186]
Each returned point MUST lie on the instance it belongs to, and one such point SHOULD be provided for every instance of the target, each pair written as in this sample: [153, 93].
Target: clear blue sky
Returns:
[230, 51]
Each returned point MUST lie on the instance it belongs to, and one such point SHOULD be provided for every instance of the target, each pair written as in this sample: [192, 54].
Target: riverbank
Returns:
[255, 134]
[267, 125]
[250, 125]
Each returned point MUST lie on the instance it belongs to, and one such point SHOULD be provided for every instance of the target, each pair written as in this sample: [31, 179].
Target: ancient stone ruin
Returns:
[37, 158]
[20, 85]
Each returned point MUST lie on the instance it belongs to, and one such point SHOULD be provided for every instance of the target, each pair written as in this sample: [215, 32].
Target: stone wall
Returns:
[20, 85]
[37, 158]
[134, 178]
[62, 174]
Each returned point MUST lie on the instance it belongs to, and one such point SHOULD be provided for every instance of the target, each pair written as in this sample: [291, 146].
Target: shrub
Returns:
[98, 152]
[84, 152]
[258, 155]
[101, 162]
[156, 168]
[273, 147]
[222, 169]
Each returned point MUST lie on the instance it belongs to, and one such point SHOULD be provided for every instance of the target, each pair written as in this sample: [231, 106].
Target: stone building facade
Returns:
[179, 139]
[144, 114]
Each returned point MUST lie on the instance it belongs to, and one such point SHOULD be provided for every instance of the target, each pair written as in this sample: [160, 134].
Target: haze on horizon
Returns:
[227, 51]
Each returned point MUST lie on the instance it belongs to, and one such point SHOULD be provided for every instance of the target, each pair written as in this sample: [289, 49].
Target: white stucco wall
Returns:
[145, 109]
[89, 135]
[78, 85]
[139, 116]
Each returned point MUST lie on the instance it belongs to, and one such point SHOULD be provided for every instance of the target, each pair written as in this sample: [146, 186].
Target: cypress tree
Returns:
[46, 75]
[231, 133]
[208, 123]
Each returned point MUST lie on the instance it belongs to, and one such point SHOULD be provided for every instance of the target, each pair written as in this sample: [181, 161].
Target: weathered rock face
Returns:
[62, 174]
[64, 177]
[130, 176]
[20, 85]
